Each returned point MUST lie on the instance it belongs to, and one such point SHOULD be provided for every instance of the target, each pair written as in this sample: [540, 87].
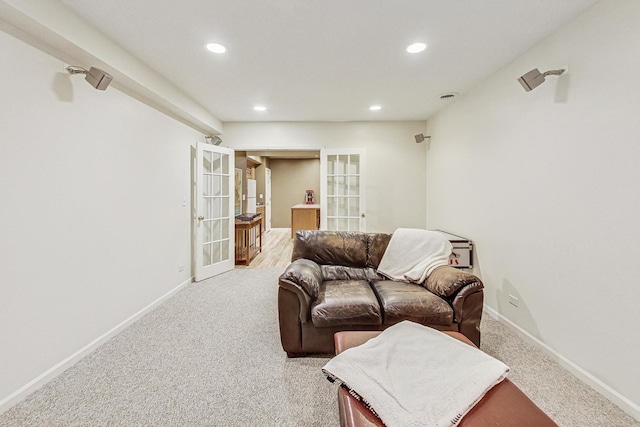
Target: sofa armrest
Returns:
[445, 281]
[464, 291]
[302, 277]
[306, 274]
[467, 311]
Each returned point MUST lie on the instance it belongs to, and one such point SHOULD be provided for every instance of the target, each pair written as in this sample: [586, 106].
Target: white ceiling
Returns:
[326, 60]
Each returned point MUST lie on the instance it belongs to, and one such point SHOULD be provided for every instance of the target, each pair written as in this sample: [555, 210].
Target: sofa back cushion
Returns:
[331, 247]
[378, 243]
[351, 249]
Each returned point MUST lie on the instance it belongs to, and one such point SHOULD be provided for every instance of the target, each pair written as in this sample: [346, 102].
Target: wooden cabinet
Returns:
[248, 240]
[304, 217]
[251, 168]
[251, 173]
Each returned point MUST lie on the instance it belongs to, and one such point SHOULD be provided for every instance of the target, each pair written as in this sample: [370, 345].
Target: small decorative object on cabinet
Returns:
[309, 197]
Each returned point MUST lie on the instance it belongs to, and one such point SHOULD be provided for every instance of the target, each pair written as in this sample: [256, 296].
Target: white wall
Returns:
[92, 223]
[546, 184]
[395, 163]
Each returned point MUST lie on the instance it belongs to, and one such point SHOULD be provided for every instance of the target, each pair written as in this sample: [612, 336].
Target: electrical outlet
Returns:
[181, 267]
[513, 301]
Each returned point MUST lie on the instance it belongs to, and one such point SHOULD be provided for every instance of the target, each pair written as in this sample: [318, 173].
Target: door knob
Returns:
[200, 218]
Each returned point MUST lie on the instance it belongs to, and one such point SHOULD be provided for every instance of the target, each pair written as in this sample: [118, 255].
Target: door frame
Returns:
[267, 198]
[264, 152]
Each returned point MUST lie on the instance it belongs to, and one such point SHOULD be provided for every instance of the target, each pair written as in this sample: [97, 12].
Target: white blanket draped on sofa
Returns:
[412, 254]
[412, 375]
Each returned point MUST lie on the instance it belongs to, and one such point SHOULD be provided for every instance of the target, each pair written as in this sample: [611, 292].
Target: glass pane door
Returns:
[214, 216]
[342, 190]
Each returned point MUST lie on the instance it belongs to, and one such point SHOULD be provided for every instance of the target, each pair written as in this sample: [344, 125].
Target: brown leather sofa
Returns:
[332, 285]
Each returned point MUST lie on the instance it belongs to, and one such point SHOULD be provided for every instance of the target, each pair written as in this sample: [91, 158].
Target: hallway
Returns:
[276, 250]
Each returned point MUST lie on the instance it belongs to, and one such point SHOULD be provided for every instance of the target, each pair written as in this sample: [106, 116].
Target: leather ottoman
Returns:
[504, 405]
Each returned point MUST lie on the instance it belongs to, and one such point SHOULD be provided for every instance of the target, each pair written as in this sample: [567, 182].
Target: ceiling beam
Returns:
[55, 29]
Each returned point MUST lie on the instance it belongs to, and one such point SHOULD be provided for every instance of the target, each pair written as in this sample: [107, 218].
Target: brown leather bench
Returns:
[504, 405]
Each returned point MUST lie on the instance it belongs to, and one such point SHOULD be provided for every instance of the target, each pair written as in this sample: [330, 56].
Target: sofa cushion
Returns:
[345, 302]
[407, 301]
[340, 272]
[331, 247]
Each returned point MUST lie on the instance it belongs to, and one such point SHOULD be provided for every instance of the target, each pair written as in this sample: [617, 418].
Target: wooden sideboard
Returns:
[304, 217]
[248, 239]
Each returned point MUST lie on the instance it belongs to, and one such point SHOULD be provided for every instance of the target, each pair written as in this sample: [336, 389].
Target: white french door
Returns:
[214, 217]
[267, 198]
[342, 190]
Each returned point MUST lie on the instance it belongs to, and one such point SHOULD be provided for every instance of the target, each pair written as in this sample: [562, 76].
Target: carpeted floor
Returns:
[211, 356]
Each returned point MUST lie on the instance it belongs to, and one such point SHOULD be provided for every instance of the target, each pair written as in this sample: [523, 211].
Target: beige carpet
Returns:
[211, 356]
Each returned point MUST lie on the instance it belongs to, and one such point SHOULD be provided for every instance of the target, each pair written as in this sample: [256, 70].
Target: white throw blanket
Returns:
[412, 375]
[412, 254]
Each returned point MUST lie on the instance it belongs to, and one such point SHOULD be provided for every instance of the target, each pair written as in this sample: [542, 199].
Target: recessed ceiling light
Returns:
[260, 108]
[416, 47]
[216, 48]
[375, 107]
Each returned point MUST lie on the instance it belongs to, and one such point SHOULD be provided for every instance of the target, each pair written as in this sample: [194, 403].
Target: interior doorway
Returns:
[281, 180]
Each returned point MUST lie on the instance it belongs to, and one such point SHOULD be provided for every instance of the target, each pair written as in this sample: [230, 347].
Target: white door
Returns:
[342, 190]
[214, 219]
[267, 198]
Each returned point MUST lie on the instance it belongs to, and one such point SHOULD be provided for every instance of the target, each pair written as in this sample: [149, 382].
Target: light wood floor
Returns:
[277, 245]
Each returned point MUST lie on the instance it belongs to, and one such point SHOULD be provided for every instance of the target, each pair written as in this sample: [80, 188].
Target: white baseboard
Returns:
[33, 385]
[618, 399]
